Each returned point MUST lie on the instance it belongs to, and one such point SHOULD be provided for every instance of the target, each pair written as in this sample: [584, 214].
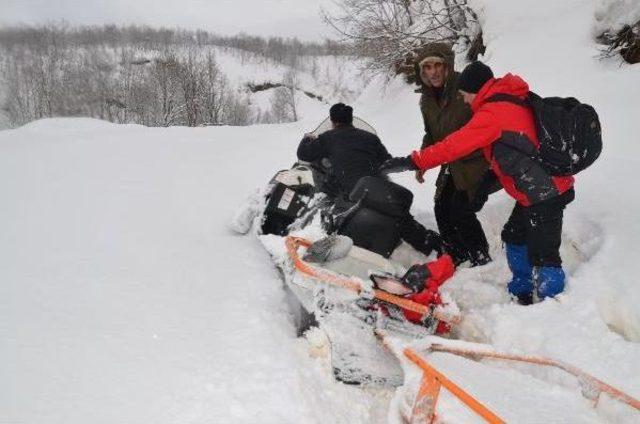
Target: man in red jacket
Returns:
[506, 132]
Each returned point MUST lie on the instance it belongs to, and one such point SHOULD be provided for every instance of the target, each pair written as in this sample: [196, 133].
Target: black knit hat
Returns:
[341, 113]
[474, 76]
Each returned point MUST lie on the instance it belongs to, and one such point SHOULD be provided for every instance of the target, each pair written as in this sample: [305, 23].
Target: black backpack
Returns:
[569, 132]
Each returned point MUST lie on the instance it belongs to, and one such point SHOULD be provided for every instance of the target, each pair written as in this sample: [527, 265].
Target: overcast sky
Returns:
[260, 17]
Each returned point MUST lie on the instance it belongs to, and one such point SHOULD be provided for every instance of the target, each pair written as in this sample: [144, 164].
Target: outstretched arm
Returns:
[383, 154]
[479, 132]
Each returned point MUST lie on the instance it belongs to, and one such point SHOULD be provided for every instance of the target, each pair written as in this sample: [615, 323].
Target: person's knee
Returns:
[511, 235]
[461, 215]
[441, 209]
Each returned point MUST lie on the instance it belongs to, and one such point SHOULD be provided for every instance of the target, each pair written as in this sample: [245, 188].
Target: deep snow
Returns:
[125, 297]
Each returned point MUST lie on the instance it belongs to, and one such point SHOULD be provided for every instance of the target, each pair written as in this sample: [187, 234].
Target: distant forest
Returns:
[138, 74]
[279, 49]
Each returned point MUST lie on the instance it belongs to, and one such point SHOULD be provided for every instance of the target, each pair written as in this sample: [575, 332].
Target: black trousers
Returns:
[411, 231]
[539, 227]
[421, 239]
[459, 227]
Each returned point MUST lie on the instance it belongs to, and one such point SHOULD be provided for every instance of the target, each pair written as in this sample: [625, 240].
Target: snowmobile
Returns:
[341, 261]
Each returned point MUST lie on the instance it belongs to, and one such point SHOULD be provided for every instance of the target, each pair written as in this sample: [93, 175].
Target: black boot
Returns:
[525, 299]
[458, 255]
[479, 257]
[418, 237]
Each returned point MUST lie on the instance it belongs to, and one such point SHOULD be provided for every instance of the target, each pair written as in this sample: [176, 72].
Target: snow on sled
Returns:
[337, 295]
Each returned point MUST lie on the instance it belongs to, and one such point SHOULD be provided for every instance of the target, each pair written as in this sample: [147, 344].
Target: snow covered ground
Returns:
[125, 297]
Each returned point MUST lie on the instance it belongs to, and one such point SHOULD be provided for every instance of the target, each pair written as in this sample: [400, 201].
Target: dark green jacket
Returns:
[444, 116]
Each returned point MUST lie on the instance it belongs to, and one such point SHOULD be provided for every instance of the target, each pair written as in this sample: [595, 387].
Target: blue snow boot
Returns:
[549, 280]
[521, 285]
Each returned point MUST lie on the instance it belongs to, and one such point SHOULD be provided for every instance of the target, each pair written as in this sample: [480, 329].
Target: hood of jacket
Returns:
[508, 84]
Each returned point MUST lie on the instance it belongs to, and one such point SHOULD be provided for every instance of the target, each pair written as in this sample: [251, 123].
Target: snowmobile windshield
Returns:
[357, 122]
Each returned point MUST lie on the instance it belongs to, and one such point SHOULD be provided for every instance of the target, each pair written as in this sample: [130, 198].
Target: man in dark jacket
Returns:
[505, 131]
[444, 112]
[353, 154]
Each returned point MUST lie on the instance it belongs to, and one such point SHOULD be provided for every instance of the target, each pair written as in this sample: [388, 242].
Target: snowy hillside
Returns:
[325, 79]
[143, 76]
[125, 297]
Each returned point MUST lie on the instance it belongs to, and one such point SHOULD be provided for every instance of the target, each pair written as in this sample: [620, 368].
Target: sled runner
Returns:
[423, 407]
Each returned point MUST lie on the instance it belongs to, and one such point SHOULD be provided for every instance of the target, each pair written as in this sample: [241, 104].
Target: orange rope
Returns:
[465, 397]
[353, 284]
[597, 384]
[424, 406]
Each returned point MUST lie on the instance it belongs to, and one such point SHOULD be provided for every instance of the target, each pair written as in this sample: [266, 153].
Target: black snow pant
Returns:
[418, 237]
[539, 227]
[459, 227]
[410, 230]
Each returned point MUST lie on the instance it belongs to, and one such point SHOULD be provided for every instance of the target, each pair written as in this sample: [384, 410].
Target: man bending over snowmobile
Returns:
[353, 154]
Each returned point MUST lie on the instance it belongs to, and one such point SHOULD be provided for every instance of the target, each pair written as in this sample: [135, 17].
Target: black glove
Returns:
[416, 277]
[488, 184]
[394, 165]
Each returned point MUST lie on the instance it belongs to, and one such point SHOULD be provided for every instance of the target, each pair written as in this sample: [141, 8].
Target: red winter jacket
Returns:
[502, 121]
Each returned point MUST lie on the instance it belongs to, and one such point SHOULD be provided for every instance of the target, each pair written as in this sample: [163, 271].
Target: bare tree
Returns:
[164, 75]
[190, 76]
[284, 104]
[238, 111]
[279, 110]
[215, 91]
[624, 41]
[389, 31]
[290, 82]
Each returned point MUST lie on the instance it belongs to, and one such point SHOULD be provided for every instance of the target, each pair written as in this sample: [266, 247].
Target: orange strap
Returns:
[354, 284]
[424, 406]
[465, 397]
[592, 381]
